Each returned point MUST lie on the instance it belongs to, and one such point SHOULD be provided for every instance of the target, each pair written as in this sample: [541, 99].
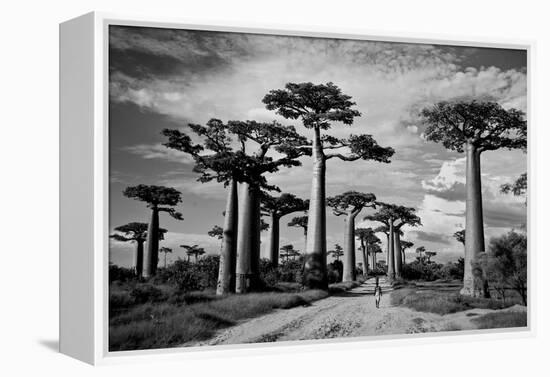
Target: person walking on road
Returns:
[377, 294]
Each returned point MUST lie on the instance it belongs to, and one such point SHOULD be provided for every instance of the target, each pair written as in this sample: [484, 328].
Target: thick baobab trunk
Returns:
[248, 240]
[397, 253]
[138, 259]
[404, 257]
[365, 254]
[228, 257]
[315, 256]
[349, 248]
[274, 240]
[391, 253]
[474, 237]
[152, 253]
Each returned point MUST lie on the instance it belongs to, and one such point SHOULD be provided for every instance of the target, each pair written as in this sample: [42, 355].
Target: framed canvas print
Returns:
[244, 188]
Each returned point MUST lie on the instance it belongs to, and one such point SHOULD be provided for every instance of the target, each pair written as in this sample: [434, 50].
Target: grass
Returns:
[501, 320]
[442, 302]
[193, 318]
[343, 286]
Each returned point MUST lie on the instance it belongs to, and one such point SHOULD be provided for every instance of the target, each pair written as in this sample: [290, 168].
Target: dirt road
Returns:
[350, 314]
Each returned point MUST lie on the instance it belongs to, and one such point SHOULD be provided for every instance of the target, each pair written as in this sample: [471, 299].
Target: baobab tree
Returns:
[367, 238]
[374, 249]
[406, 216]
[337, 252]
[420, 251]
[239, 262]
[300, 222]
[318, 107]
[216, 160]
[217, 232]
[277, 207]
[165, 250]
[158, 199]
[460, 236]
[135, 232]
[350, 204]
[389, 214]
[429, 255]
[263, 137]
[404, 246]
[474, 127]
[193, 250]
[288, 251]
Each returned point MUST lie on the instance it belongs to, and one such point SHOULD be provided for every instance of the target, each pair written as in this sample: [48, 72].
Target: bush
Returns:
[335, 272]
[121, 274]
[501, 320]
[421, 270]
[188, 276]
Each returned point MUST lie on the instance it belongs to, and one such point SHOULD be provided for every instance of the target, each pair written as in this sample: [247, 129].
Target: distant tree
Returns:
[158, 199]
[367, 238]
[288, 251]
[375, 249]
[337, 252]
[404, 246]
[474, 127]
[165, 250]
[390, 215]
[318, 106]
[193, 250]
[217, 232]
[135, 232]
[406, 217]
[429, 255]
[518, 187]
[350, 204]
[421, 251]
[300, 222]
[277, 207]
[460, 236]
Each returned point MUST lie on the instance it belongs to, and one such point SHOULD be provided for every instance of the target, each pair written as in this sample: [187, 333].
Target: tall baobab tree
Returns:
[135, 232]
[263, 137]
[350, 204]
[406, 216]
[193, 250]
[404, 246]
[318, 107]
[216, 160]
[277, 207]
[158, 199]
[474, 127]
[367, 238]
[239, 262]
[165, 250]
[300, 222]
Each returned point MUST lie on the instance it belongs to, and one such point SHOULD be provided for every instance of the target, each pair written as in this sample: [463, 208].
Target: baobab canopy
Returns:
[486, 125]
[157, 196]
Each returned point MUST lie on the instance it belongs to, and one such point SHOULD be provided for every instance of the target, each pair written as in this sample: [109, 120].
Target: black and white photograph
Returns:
[280, 188]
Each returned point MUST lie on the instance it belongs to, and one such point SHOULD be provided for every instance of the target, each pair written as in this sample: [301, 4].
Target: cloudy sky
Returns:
[167, 78]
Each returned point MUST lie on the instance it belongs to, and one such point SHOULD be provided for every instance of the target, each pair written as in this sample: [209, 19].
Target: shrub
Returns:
[501, 320]
[122, 274]
[188, 276]
[335, 271]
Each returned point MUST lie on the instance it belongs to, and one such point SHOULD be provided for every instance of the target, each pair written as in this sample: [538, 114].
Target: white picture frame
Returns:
[84, 168]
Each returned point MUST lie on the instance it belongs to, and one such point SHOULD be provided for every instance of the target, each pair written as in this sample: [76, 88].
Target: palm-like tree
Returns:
[337, 252]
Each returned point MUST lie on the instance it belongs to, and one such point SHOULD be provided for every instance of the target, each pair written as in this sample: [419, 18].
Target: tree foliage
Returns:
[460, 236]
[216, 232]
[368, 236]
[351, 202]
[518, 187]
[299, 221]
[134, 231]
[282, 205]
[157, 196]
[337, 252]
[486, 125]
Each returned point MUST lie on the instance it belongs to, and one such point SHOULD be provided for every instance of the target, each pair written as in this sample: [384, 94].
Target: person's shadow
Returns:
[52, 345]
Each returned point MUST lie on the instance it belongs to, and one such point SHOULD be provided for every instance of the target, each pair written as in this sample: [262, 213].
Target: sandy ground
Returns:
[348, 315]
